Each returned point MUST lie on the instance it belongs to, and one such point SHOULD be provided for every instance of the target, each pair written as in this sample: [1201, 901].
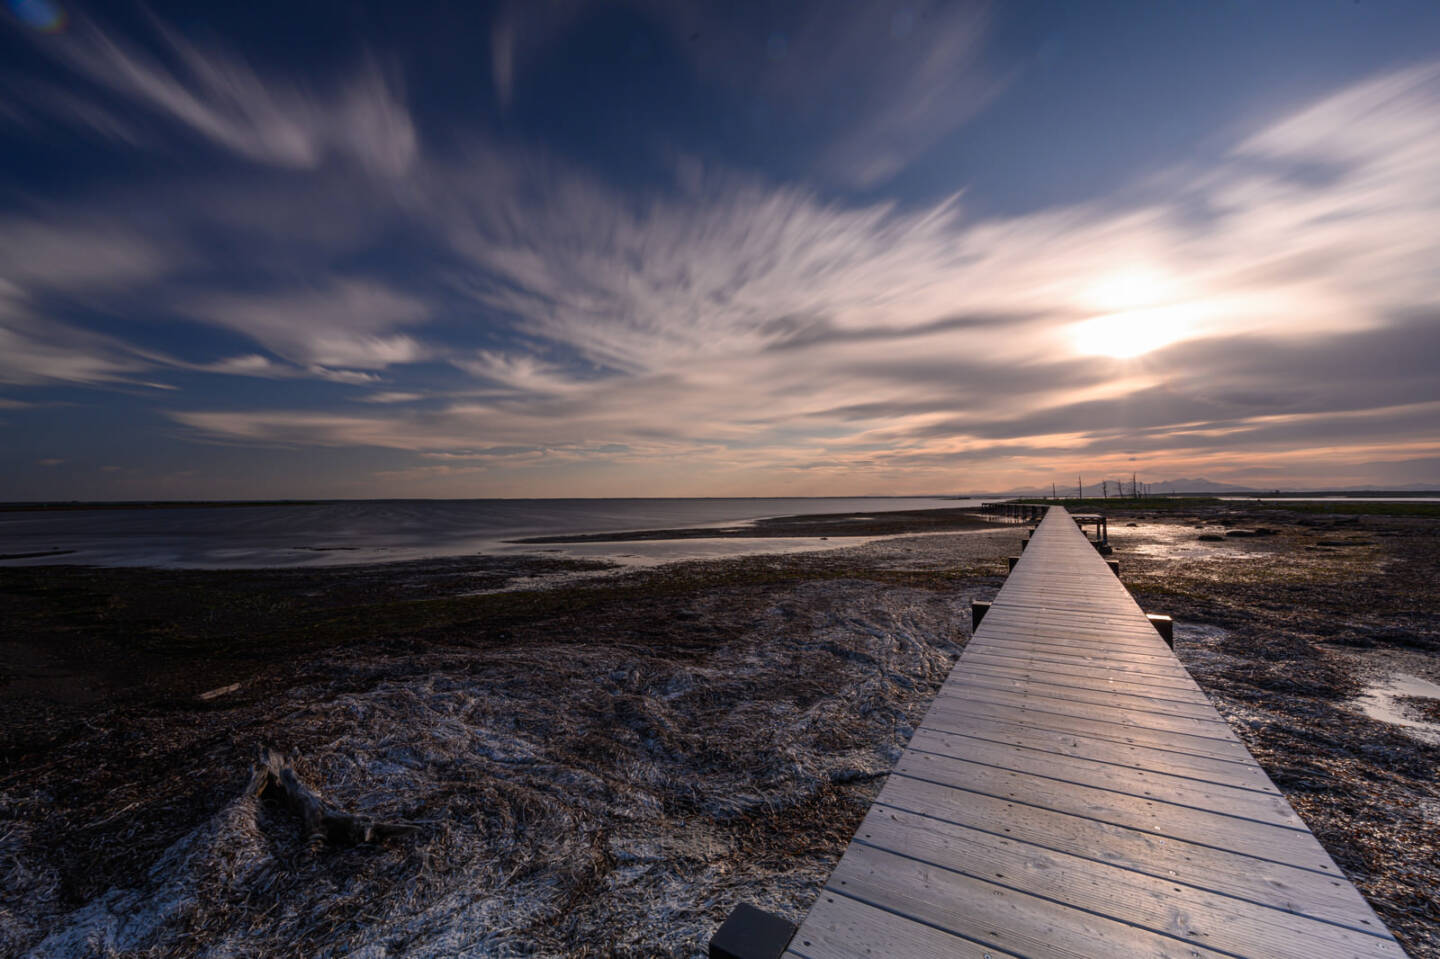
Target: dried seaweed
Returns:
[606, 777]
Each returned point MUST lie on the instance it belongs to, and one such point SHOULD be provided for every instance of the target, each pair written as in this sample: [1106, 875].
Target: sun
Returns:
[1129, 289]
[1133, 332]
[1140, 310]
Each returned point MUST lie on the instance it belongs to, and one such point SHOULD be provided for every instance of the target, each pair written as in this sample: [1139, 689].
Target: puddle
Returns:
[1380, 702]
[1175, 541]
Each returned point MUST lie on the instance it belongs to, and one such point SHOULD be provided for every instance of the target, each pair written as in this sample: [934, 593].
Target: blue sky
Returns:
[646, 248]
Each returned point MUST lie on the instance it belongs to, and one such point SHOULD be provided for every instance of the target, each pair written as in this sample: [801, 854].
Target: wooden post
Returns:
[978, 609]
[1165, 626]
[750, 933]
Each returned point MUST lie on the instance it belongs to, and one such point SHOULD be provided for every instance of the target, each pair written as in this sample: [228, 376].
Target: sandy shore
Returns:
[603, 763]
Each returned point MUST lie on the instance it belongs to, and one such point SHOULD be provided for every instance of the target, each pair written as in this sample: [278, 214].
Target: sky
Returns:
[664, 248]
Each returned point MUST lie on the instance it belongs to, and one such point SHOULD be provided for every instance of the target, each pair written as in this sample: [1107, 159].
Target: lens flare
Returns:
[42, 15]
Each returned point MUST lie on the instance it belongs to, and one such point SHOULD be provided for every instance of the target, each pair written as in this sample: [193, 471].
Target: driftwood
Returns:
[275, 776]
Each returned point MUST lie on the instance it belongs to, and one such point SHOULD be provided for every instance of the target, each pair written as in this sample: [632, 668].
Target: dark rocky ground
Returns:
[606, 765]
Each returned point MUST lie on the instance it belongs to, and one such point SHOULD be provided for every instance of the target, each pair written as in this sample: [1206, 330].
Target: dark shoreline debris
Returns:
[323, 822]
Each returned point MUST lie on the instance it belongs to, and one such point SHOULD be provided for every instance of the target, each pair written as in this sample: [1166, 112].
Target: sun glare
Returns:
[1139, 313]
[1130, 289]
[1133, 332]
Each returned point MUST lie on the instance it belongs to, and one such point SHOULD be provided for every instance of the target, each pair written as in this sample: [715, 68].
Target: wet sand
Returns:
[604, 761]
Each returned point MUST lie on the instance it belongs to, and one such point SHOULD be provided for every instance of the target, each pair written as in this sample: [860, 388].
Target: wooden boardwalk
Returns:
[1072, 792]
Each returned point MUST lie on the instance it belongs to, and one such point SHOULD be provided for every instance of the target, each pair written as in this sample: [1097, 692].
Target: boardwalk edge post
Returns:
[751, 933]
[1165, 626]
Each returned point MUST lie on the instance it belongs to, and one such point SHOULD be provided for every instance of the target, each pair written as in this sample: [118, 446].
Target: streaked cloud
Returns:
[868, 91]
[220, 97]
[36, 350]
[343, 323]
[70, 251]
[855, 95]
[513, 314]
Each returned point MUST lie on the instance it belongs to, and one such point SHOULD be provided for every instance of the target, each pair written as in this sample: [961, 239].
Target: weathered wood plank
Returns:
[1032, 663]
[954, 713]
[1209, 728]
[1010, 918]
[1198, 826]
[1273, 885]
[1159, 905]
[1158, 655]
[841, 927]
[1045, 654]
[1141, 783]
[1096, 694]
[1020, 736]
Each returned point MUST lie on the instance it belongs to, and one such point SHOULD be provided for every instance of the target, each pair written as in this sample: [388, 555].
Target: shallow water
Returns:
[1174, 542]
[1380, 701]
[380, 531]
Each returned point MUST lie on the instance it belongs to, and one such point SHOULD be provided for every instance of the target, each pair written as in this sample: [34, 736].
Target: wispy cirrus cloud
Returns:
[854, 96]
[734, 323]
[36, 350]
[867, 92]
[343, 323]
[764, 324]
[66, 250]
[220, 97]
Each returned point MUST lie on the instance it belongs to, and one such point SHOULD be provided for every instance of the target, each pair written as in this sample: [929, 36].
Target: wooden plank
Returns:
[1141, 783]
[1259, 882]
[841, 927]
[1093, 692]
[1059, 645]
[1003, 659]
[1094, 627]
[955, 714]
[1146, 643]
[1066, 742]
[1160, 906]
[1200, 827]
[1211, 728]
[1110, 680]
[1009, 918]
[1045, 654]
[1138, 637]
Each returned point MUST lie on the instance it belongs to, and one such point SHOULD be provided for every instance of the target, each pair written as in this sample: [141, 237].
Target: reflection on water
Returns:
[373, 531]
[1171, 541]
[655, 552]
[1381, 701]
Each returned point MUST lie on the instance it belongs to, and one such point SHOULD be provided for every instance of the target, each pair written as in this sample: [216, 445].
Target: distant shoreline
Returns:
[24, 506]
[80, 505]
[814, 524]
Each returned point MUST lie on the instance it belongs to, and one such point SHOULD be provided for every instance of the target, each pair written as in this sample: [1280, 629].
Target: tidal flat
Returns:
[603, 760]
